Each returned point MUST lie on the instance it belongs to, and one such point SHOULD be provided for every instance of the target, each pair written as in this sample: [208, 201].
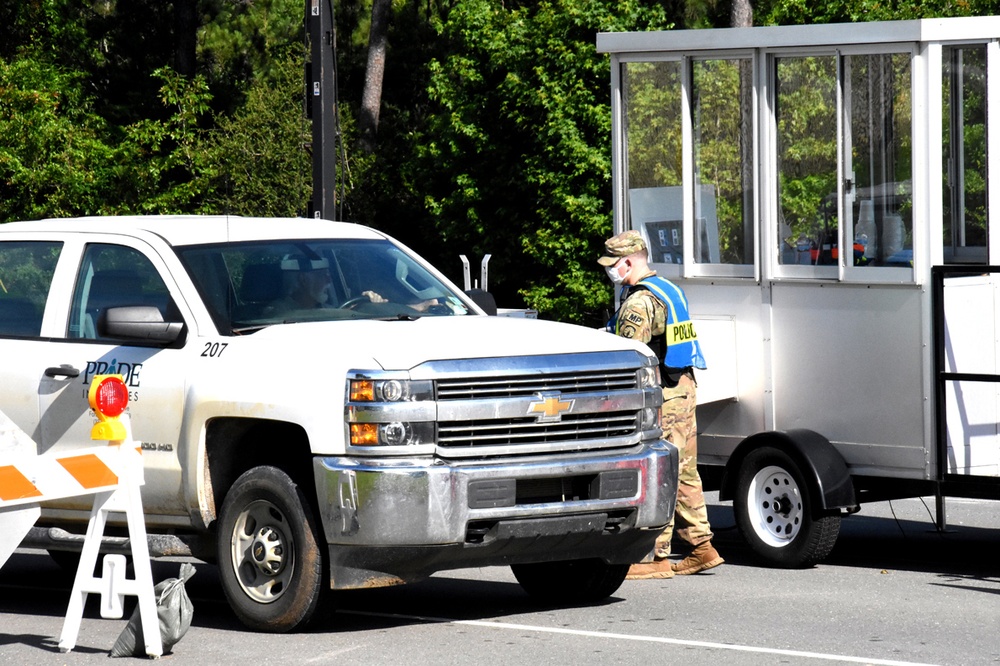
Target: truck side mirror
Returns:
[483, 299]
[139, 322]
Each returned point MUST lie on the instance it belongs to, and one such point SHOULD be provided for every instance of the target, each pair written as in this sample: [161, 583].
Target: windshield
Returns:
[248, 286]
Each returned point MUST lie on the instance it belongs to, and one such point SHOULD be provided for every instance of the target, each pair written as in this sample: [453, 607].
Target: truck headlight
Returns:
[395, 433]
[389, 390]
[390, 412]
[648, 376]
[650, 418]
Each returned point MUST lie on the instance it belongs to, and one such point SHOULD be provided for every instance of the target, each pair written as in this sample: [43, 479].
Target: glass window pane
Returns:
[880, 203]
[806, 117]
[114, 276]
[652, 98]
[26, 270]
[252, 285]
[723, 161]
[965, 229]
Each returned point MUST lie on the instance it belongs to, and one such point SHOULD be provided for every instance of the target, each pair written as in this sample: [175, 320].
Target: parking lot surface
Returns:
[894, 591]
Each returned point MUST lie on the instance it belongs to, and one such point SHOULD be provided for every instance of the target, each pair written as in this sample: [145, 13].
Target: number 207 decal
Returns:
[214, 349]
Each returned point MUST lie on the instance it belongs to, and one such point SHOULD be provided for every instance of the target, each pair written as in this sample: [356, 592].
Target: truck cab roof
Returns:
[180, 230]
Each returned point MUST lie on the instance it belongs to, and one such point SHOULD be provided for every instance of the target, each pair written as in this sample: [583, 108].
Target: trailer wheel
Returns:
[776, 514]
[269, 560]
[571, 581]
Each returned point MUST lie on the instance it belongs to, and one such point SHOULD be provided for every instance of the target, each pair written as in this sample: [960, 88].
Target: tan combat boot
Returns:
[647, 570]
[703, 557]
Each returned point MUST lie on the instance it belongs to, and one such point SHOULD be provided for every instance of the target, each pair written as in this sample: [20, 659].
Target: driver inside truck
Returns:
[306, 283]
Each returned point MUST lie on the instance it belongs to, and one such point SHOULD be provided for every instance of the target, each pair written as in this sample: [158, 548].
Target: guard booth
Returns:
[823, 195]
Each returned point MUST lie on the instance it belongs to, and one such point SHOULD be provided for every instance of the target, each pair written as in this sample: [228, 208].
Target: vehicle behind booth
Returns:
[319, 408]
[821, 194]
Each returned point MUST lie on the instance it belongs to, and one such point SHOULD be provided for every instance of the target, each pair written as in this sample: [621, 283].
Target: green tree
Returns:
[515, 160]
[254, 161]
[167, 159]
[54, 160]
[792, 12]
[81, 140]
[241, 43]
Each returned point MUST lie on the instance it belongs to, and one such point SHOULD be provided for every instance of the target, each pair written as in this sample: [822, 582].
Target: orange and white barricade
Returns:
[113, 474]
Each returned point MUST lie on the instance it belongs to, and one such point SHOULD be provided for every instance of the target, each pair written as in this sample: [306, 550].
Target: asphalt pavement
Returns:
[894, 591]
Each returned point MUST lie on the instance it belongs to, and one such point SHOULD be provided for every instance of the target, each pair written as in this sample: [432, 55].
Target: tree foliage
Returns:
[55, 159]
[120, 131]
[493, 132]
[792, 12]
[518, 154]
[254, 162]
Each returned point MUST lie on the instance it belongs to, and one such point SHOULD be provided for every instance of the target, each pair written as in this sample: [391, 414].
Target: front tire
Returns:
[572, 581]
[776, 513]
[269, 557]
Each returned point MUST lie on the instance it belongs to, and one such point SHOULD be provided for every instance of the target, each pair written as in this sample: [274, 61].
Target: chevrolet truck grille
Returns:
[517, 386]
[535, 405]
[507, 432]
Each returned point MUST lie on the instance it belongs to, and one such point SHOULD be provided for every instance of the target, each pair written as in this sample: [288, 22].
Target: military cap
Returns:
[624, 244]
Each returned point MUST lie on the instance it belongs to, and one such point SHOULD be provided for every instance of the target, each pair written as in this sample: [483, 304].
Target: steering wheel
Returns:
[350, 303]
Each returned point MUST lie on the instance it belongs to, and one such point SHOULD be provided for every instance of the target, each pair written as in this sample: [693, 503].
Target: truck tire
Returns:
[775, 512]
[270, 562]
[571, 581]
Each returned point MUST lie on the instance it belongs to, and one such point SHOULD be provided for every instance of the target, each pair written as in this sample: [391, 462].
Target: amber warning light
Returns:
[108, 398]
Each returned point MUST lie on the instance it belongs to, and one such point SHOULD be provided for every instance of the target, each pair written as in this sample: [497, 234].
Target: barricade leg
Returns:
[85, 582]
[125, 498]
[143, 573]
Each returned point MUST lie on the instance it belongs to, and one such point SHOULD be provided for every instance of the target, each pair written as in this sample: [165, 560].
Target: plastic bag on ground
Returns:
[174, 611]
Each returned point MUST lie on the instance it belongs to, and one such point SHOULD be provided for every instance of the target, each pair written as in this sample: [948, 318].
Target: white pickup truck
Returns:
[321, 409]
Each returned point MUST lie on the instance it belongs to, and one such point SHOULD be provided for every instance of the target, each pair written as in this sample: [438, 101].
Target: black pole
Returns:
[322, 104]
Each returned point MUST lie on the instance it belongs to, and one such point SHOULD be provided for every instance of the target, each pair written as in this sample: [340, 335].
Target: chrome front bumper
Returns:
[388, 521]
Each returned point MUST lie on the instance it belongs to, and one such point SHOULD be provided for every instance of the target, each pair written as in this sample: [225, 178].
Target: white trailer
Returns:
[824, 195]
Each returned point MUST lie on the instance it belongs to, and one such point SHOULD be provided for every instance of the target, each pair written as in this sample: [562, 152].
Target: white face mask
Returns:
[613, 274]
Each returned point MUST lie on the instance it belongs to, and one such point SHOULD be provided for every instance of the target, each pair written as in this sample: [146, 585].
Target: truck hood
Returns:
[404, 344]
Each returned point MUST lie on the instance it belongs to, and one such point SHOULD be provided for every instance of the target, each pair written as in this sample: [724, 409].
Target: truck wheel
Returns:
[775, 512]
[269, 560]
[572, 581]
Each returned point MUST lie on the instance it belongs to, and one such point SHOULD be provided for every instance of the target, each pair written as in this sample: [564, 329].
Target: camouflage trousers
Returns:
[681, 429]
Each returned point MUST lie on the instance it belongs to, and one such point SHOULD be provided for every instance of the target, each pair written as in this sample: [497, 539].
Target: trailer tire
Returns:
[571, 581]
[776, 513]
[270, 562]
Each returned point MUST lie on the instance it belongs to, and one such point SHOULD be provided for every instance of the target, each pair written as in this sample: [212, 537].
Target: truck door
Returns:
[116, 275]
[26, 271]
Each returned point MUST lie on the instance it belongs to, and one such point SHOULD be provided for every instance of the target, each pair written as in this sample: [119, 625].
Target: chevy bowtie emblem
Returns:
[550, 407]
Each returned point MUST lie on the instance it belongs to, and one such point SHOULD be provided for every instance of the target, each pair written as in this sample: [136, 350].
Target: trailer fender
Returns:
[818, 460]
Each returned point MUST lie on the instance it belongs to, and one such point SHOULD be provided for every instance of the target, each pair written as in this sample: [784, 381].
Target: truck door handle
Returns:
[64, 370]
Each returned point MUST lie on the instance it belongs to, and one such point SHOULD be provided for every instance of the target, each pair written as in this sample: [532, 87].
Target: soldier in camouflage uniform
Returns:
[655, 311]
